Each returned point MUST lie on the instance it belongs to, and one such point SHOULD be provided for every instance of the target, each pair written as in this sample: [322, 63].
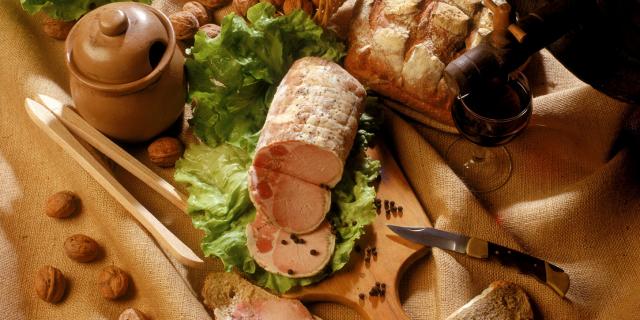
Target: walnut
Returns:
[291, 5]
[240, 7]
[164, 152]
[211, 30]
[50, 284]
[81, 248]
[185, 24]
[57, 29]
[198, 10]
[132, 314]
[113, 282]
[62, 204]
[213, 3]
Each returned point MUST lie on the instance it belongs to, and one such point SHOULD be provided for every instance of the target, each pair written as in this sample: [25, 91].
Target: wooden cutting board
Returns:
[394, 254]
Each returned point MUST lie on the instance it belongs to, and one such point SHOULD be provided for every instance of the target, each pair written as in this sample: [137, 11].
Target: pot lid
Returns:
[119, 43]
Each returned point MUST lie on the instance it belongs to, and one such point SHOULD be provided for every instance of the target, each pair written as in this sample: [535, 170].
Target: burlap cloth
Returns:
[574, 199]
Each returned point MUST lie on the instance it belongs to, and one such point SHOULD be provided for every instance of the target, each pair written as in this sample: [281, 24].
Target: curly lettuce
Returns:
[232, 79]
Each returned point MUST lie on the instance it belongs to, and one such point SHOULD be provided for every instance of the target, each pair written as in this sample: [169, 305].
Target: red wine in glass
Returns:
[493, 117]
[488, 118]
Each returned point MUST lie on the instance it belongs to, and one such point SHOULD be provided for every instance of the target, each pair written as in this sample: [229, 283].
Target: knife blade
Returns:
[544, 271]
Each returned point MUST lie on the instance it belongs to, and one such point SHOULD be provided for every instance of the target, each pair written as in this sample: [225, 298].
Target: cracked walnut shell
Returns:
[132, 314]
[50, 284]
[113, 282]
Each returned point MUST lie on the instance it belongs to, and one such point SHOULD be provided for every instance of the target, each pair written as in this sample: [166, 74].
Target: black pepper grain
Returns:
[357, 248]
[400, 208]
[313, 252]
[361, 296]
[289, 272]
[355, 223]
[284, 242]
[393, 204]
[386, 204]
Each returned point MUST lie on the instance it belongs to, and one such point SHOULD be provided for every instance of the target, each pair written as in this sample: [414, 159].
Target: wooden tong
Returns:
[52, 126]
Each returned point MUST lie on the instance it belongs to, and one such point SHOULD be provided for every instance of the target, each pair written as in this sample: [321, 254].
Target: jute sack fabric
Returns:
[573, 199]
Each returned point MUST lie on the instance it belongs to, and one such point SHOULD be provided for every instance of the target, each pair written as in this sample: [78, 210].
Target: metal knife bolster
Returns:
[550, 274]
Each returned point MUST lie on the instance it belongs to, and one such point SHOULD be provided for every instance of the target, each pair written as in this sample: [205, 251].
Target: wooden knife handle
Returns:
[549, 274]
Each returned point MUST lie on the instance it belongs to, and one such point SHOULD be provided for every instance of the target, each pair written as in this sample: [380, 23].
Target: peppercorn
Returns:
[313, 252]
[386, 204]
[284, 242]
[357, 248]
[361, 296]
[289, 272]
[393, 203]
[400, 208]
[355, 223]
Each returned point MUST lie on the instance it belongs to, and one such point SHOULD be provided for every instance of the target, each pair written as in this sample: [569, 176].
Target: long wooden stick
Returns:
[59, 133]
[84, 130]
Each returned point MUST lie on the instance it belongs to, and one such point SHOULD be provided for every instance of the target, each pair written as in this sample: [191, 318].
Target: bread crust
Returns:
[399, 48]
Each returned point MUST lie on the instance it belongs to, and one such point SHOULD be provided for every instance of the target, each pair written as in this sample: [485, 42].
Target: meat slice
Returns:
[287, 254]
[232, 297]
[292, 204]
[312, 122]
[270, 309]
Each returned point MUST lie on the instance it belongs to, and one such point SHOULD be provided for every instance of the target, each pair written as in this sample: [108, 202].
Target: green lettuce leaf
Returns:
[247, 61]
[232, 79]
[65, 9]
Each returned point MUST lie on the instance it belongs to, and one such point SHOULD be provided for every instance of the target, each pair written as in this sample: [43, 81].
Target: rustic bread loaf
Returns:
[502, 300]
[400, 48]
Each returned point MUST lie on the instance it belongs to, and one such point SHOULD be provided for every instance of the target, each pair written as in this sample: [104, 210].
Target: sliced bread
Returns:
[502, 300]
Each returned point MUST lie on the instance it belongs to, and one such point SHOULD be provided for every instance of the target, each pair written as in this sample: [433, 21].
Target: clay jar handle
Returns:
[113, 23]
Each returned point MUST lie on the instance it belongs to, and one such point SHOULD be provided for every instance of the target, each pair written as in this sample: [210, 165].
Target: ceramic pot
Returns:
[126, 72]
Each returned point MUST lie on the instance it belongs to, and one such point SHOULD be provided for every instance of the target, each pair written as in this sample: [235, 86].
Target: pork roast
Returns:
[287, 254]
[312, 122]
[293, 204]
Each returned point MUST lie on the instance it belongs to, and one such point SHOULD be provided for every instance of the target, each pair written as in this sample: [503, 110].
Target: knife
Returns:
[548, 273]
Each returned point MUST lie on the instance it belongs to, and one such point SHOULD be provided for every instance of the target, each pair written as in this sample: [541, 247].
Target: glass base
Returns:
[482, 169]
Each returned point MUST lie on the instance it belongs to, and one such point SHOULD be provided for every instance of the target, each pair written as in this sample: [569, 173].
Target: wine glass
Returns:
[488, 118]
